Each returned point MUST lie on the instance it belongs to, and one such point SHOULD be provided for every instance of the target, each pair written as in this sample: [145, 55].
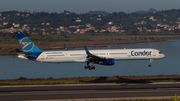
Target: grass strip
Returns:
[171, 99]
[91, 80]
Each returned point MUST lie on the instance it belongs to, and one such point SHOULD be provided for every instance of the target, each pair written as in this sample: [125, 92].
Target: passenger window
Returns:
[102, 53]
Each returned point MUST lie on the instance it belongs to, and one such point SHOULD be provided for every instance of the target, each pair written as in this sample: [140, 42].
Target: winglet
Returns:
[65, 47]
[87, 51]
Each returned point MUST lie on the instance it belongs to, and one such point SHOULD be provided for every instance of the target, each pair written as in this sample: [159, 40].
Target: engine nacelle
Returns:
[107, 62]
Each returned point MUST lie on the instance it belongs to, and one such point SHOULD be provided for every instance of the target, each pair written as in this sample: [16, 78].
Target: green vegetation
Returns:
[8, 37]
[171, 99]
[175, 98]
[91, 80]
[56, 38]
[22, 78]
[11, 37]
[9, 45]
[9, 51]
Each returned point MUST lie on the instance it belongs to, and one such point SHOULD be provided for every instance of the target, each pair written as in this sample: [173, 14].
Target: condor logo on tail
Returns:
[26, 44]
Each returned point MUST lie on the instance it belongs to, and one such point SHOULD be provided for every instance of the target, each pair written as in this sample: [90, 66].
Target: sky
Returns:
[80, 6]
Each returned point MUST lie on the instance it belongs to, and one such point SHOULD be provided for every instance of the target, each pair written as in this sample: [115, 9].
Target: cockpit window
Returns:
[160, 52]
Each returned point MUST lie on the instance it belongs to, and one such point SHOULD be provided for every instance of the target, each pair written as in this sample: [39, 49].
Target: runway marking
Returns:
[169, 88]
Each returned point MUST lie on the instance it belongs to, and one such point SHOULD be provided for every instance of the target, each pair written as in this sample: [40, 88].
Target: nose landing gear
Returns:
[150, 61]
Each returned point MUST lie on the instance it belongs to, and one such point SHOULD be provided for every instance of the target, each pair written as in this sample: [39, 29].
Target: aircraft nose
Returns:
[163, 56]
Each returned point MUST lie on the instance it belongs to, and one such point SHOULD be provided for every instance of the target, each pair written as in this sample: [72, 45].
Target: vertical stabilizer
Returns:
[28, 47]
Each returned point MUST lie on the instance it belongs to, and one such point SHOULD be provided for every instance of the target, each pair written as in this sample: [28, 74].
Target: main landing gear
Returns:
[90, 67]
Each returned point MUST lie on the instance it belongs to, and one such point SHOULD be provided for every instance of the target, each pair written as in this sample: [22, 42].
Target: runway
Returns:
[88, 92]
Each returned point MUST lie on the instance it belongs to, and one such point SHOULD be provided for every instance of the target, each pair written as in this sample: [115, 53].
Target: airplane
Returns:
[102, 57]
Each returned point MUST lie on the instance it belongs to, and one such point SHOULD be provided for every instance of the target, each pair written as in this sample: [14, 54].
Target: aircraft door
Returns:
[154, 53]
[42, 56]
[129, 54]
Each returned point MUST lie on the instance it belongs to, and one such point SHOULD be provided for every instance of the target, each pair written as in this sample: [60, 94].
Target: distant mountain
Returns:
[150, 10]
[98, 12]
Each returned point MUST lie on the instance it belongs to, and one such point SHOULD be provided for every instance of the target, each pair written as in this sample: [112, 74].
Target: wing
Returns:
[91, 57]
[96, 59]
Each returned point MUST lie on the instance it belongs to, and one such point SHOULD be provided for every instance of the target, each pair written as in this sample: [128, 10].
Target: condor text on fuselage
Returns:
[144, 53]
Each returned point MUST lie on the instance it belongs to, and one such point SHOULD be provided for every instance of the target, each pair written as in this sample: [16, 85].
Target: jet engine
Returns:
[107, 62]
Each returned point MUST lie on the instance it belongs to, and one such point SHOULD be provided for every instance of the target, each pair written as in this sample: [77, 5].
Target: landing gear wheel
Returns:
[149, 65]
[90, 68]
[93, 67]
[85, 67]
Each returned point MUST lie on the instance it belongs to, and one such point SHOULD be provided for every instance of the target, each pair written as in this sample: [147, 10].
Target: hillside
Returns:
[98, 12]
[43, 23]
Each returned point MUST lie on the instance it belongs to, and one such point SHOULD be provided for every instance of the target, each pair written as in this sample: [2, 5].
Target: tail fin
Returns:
[28, 47]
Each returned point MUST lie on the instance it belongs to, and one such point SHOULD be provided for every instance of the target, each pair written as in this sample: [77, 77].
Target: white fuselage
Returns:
[116, 54]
